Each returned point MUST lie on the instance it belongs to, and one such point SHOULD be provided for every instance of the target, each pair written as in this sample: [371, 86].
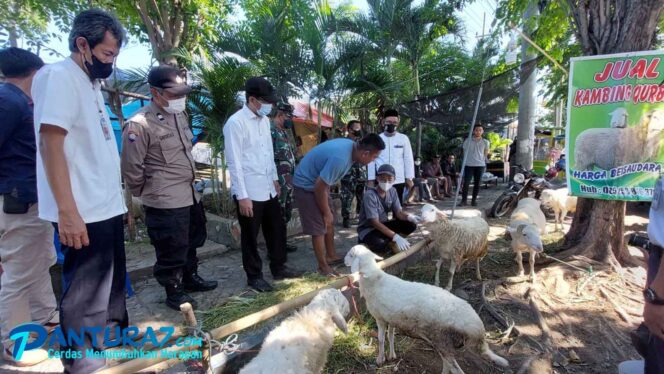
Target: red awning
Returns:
[305, 113]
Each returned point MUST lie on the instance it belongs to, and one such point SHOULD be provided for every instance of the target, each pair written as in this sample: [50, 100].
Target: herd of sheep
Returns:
[300, 344]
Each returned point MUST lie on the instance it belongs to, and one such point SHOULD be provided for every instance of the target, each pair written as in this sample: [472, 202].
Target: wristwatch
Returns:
[651, 297]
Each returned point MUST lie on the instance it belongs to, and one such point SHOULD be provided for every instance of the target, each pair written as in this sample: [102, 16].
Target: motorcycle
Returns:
[552, 172]
[524, 184]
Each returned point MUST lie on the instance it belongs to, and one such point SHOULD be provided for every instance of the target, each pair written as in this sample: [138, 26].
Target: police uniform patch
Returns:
[132, 136]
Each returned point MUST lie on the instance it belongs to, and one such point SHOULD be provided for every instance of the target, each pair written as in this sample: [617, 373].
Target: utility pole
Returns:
[527, 96]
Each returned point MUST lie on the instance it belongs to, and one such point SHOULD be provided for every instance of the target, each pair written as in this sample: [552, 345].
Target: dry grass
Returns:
[242, 305]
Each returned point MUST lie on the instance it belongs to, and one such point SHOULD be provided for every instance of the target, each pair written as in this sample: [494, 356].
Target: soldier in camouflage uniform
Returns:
[353, 183]
[284, 157]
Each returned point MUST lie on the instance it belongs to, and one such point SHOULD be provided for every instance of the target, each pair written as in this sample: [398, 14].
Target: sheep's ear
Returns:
[355, 266]
[519, 229]
[510, 229]
[340, 321]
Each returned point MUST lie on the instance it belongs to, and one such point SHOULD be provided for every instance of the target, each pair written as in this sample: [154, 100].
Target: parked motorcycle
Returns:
[524, 184]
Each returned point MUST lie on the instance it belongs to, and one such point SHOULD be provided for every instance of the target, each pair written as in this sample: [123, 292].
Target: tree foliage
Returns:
[169, 25]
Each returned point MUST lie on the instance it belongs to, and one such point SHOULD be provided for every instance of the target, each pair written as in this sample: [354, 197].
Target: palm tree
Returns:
[214, 99]
[269, 38]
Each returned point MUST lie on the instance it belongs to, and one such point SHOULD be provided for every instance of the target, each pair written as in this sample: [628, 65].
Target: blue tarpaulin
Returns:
[129, 110]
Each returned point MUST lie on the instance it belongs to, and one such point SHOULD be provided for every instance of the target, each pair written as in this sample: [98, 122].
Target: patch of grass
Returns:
[553, 242]
[422, 272]
[356, 350]
[237, 307]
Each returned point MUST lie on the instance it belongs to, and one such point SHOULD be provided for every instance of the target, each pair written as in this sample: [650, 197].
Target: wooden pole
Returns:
[190, 320]
[219, 333]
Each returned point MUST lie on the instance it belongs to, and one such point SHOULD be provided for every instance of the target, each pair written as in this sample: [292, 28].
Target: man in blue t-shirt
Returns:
[375, 230]
[26, 242]
[321, 168]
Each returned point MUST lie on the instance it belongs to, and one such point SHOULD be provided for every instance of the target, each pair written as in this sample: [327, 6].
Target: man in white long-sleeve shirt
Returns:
[397, 153]
[255, 185]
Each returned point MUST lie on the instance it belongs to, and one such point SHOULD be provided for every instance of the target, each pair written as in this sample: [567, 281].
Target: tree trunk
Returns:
[527, 98]
[598, 230]
[416, 73]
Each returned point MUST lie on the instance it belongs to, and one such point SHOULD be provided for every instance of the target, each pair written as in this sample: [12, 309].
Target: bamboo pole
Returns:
[221, 332]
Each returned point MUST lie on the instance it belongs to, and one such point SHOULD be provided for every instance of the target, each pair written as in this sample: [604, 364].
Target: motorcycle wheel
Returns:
[503, 205]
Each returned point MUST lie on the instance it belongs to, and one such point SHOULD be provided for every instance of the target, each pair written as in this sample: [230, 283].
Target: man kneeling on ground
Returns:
[375, 230]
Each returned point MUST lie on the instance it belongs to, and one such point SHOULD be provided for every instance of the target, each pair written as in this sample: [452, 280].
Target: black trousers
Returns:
[475, 173]
[175, 235]
[399, 187]
[267, 214]
[94, 289]
[377, 241]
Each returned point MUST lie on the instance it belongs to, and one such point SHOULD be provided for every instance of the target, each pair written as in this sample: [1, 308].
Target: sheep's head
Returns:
[619, 117]
[336, 303]
[429, 213]
[653, 121]
[528, 235]
[358, 256]
[547, 197]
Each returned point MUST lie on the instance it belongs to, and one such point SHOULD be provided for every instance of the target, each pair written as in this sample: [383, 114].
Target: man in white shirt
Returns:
[398, 153]
[79, 184]
[476, 151]
[255, 184]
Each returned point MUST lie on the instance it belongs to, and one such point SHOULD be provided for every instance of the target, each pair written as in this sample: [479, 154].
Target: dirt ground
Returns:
[569, 321]
[577, 329]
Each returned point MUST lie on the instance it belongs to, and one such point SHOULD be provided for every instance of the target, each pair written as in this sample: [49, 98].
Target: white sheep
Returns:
[561, 203]
[607, 148]
[526, 226]
[619, 118]
[299, 345]
[418, 310]
[457, 240]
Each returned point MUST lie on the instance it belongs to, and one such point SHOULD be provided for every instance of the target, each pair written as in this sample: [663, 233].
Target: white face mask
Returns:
[264, 110]
[176, 106]
[385, 186]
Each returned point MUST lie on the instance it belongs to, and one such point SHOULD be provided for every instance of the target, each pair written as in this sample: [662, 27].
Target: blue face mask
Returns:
[264, 110]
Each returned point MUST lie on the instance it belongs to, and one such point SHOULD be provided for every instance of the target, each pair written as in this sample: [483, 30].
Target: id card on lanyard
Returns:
[105, 128]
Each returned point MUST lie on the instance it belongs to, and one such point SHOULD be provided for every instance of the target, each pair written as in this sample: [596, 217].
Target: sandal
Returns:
[331, 274]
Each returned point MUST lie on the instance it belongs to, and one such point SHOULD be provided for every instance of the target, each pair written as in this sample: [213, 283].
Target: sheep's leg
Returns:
[381, 342]
[519, 262]
[390, 336]
[453, 267]
[477, 269]
[531, 261]
[439, 263]
[456, 369]
[563, 214]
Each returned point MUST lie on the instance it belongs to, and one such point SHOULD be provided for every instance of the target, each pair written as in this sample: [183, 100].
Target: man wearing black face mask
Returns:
[78, 182]
[281, 124]
[398, 153]
[353, 183]
[158, 167]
